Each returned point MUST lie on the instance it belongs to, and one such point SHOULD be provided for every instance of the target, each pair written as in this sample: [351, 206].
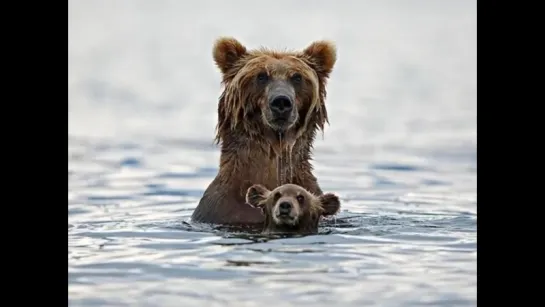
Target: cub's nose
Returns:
[284, 208]
[281, 105]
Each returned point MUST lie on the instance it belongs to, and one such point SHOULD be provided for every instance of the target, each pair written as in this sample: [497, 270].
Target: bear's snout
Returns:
[284, 208]
[281, 102]
[281, 106]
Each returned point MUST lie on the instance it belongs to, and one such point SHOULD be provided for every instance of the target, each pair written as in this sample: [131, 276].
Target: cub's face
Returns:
[291, 208]
[277, 88]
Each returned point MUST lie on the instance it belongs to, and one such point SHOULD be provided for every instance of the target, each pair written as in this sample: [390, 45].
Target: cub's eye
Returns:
[262, 77]
[297, 78]
[277, 196]
[300, 199]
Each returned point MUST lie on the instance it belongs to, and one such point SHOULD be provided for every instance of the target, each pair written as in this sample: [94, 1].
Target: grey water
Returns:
[400, 151]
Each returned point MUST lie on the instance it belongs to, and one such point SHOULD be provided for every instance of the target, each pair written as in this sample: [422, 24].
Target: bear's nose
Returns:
[284, 208]
[281, 104]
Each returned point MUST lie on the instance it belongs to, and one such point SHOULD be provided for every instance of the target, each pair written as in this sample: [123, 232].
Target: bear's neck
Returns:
[270, 162]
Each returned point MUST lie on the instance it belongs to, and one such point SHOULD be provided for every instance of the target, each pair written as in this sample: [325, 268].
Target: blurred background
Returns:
[400, 151]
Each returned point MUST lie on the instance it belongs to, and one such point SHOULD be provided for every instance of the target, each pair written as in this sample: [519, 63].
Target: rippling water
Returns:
[400, 152]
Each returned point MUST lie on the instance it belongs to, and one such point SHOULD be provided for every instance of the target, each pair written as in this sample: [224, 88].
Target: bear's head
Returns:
[290, 208]
[269, 93]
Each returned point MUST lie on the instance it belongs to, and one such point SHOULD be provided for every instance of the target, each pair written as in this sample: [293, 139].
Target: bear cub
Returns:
[290, 208]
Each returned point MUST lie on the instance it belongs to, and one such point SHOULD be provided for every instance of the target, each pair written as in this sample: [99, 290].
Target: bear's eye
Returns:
[276, 196]
[262, 77]
[296, 78]
[300, 199]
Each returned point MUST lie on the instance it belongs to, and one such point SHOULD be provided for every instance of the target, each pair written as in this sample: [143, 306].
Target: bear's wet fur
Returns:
[290, 209]
[269, 112]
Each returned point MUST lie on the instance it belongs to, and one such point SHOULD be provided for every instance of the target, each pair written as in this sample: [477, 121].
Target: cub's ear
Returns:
[256, 195]
[330, 203]
[322, 56]
[227, 52]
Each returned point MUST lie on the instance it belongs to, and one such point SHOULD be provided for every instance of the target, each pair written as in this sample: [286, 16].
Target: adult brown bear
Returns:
[272, 105]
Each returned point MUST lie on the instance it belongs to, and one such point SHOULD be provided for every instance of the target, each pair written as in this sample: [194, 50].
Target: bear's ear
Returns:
[227, 52]
[323, 55]
[256, 195]
[330, 203]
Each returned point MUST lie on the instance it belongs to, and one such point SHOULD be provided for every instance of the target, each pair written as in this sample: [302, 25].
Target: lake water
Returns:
[400, 152]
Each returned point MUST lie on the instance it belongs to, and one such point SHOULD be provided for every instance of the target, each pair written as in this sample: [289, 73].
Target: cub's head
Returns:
[269, 91]
[290, 208]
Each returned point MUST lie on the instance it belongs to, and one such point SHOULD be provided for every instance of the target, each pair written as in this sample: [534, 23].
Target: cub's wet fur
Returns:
[290, 208]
